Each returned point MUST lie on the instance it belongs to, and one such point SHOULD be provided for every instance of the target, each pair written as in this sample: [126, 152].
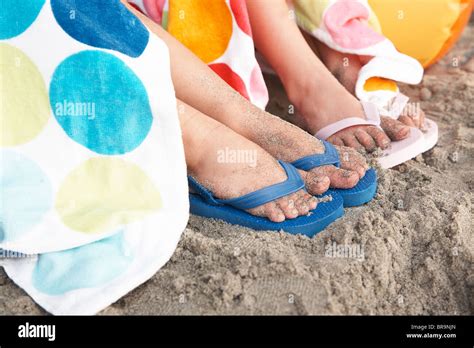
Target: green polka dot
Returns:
[24, 110]
[105, 193]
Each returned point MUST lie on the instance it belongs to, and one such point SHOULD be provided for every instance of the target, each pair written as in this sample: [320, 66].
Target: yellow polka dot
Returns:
[380, 84]
[24, 107]
[105, 193]
[204, 26]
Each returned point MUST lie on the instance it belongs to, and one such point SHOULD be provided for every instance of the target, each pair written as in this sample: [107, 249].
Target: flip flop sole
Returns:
[309, 225]
[404, 150]
[430, 135]
[363, 192]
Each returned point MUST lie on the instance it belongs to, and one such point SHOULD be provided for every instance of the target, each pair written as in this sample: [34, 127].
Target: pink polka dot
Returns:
[258, 88]
[346, 22]
[154, 9]
[239, 9]
[229, 76]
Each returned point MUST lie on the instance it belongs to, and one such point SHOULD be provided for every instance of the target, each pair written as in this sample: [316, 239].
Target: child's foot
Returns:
[346, 67]
[321, 100]
[324, 106]
[289, 143]
[415, 118]
[230, 166]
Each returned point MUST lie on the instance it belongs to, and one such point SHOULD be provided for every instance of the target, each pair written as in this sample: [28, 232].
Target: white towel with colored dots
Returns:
[92, 170]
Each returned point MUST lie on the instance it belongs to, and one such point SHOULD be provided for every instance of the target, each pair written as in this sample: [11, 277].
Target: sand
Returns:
[410, 251]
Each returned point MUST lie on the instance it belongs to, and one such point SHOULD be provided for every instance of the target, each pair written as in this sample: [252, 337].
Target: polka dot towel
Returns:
[93, 178]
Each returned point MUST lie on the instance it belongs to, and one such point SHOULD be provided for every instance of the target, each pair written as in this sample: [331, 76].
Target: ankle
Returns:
[309, 97]
[200, 145]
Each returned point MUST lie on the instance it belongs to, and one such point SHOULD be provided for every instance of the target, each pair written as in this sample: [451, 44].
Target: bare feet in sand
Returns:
[206, 142]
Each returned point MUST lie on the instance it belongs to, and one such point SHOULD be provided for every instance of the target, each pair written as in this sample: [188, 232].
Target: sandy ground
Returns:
[413, 245]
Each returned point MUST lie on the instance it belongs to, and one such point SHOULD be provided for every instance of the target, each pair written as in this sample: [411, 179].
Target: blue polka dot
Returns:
[102, 23]
[100, 103]
[16, 16]
[26, 195]
[88, 266]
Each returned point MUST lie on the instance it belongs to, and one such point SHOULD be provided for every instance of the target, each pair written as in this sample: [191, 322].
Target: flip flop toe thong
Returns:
[362, 193]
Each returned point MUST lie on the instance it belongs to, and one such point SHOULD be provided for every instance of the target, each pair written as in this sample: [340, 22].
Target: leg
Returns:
[204, 138]
[200, 87]
[346, 67]
[309, 84]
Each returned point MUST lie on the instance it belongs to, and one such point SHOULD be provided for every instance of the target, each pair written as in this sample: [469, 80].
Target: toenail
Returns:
[318, 181]
[294, 212]
[346, 174]
[291, 203]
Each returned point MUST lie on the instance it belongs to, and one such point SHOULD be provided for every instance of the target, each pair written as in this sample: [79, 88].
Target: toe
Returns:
[274, 213]
[288, 206]
[413, 117]
[340, 178]
[352, 160]
[350, 140]
[316, 183]
[346, 154]
[302, 204]
[406, 120]
[336, 140]
[355, 167]
[269, 210]
[394, 129]
[365, 140]
[381, 139]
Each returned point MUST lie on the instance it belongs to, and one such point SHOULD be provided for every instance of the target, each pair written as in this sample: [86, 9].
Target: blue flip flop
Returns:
[203, 203]
[362, 193]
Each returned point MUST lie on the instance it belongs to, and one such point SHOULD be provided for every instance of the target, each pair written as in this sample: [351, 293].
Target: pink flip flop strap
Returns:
[372, 119]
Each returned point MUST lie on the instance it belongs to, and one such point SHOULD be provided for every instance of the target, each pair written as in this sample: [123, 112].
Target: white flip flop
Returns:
[399, 151]
[418, 142]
